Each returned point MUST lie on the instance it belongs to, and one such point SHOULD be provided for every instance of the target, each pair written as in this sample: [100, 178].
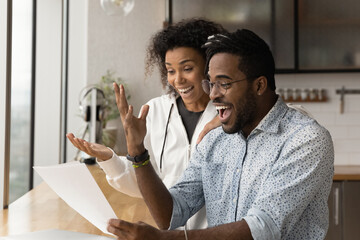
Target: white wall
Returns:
[3, 21]
[344, 128]
[48, 84]
[118, 43]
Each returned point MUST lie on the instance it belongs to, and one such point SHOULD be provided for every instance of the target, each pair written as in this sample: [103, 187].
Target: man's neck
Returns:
[265, 104]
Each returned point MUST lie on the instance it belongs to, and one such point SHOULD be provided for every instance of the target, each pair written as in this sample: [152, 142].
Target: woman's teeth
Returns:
[184, 90]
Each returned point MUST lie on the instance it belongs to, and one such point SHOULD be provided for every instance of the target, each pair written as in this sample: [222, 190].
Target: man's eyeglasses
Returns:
[221, 85]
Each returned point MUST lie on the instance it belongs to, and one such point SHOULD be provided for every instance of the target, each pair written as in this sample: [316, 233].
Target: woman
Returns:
[175, 120]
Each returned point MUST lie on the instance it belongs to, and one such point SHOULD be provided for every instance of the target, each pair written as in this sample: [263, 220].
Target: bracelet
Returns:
[146, 162]
[138, 158]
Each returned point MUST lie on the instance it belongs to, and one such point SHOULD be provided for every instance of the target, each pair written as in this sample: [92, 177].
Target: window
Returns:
[21, 79]
[28, 142]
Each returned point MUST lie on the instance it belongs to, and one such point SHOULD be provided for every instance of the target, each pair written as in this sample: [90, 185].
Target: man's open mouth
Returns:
[224, 112]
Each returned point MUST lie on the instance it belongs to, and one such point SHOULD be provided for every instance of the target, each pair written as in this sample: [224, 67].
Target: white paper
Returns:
[55, 234]
[74, 183]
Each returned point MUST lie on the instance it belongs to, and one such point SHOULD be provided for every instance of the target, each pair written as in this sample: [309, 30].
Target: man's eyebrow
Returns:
[223, 77]
[218, 77]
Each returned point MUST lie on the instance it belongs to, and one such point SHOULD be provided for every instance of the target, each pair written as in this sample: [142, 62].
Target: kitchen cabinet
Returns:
[344, 211]
[304, 35]
[271, 20]
[329, 34]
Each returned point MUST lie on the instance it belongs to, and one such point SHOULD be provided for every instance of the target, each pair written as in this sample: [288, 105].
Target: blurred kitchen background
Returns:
[52, 49]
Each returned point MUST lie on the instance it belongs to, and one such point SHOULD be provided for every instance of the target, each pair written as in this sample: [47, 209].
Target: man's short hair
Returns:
[255, 57]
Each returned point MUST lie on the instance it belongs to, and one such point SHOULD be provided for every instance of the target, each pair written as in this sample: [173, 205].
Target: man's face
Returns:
[237, 107]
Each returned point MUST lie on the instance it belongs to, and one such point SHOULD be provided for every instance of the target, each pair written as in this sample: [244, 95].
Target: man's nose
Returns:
[215, 93]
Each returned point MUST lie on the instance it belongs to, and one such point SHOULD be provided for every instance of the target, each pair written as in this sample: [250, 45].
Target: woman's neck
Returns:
[199, 105]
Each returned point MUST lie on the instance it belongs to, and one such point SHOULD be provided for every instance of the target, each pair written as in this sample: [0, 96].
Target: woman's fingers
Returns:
[80, 144]
[121, 101]
[71, 137]
[214, 123]
[201, 135]
[144, 112]
[93, 149]
[129, 116]
[89, 149]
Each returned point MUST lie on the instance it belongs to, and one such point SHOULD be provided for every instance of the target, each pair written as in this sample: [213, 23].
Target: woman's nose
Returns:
[179, 78]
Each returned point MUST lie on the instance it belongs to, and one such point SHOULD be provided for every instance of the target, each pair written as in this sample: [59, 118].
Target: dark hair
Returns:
[191, 33]
[255, 57]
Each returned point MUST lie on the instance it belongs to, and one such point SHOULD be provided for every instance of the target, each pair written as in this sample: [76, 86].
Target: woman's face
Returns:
[185, 71]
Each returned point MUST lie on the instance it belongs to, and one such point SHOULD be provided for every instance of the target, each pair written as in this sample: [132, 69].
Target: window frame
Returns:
[48, 75]
[5, 98]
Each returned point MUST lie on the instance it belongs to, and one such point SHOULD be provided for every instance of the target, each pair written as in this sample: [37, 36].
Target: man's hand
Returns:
[93, 149]
[135, 128]
[133, 231]
[140, 231]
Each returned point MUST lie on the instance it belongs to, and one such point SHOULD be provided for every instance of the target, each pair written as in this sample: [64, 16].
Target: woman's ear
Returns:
[260, 85]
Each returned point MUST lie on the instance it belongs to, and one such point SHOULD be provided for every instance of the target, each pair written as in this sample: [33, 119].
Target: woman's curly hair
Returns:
[187, 33]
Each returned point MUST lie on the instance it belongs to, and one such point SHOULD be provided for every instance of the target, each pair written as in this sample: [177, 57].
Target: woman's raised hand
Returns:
[93, 149]
[134, 128]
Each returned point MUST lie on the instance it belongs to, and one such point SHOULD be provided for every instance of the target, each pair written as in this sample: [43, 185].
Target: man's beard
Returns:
[245, 110]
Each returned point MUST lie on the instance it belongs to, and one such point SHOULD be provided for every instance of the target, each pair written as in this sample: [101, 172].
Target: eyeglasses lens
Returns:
[206, 86]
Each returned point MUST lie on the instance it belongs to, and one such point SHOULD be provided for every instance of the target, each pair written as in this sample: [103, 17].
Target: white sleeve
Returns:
[121, 175]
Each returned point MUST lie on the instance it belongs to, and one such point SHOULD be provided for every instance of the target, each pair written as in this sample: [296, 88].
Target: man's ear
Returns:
[260, 85]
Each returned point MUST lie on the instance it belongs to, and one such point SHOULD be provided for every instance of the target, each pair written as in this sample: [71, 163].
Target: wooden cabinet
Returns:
[344, 211]
[335, 220]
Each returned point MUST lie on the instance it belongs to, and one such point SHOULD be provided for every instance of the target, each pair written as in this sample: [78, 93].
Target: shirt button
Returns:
[234, 201]
[238, 170]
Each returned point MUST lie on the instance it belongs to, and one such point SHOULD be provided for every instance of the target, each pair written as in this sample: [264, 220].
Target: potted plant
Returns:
[111, 111]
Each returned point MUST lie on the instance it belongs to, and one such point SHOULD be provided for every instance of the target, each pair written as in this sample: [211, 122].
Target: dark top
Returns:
[189, 119]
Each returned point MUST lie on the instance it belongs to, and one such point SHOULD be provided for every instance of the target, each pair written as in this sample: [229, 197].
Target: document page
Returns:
[55, 235]
[74, 183]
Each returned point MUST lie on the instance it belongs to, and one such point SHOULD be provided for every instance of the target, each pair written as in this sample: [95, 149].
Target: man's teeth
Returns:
[221, 107]
[184, 89]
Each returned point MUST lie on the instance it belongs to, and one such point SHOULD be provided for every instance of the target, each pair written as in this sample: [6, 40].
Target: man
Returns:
[265, 174]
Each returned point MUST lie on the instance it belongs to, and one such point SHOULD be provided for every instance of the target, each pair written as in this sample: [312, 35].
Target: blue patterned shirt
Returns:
[277, 179]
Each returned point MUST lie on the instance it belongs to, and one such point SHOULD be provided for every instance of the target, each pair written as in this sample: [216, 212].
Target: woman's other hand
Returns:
[214, 123]
[99, 151]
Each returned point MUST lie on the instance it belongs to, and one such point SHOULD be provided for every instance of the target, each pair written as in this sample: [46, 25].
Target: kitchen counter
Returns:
[42, 209]
[347, 173]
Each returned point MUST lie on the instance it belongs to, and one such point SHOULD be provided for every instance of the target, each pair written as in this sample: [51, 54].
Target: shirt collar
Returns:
[270, 123]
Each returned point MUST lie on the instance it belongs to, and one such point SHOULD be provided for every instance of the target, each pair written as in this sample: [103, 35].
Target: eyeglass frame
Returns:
[220, 86]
